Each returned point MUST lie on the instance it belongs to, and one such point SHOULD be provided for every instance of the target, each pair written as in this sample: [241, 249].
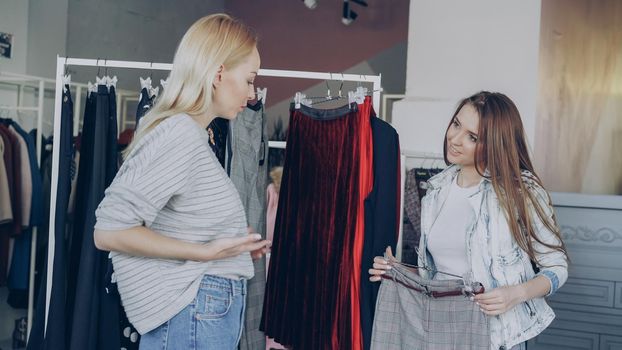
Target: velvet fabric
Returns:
[311, 279]
[366, 182]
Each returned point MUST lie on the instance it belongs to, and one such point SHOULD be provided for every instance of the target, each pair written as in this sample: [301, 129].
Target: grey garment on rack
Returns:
[247, 166]
[411, 232]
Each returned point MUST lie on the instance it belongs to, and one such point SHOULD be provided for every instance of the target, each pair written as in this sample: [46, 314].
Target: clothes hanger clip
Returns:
[340, 87]
[301, 99]
[261, 94]
[351, 97]
[328, 94]
[359, 95]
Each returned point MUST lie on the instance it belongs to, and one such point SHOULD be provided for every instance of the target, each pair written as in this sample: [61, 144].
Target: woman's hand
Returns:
[257, 254]
[223, 248]
[380, 266]
[499, 300]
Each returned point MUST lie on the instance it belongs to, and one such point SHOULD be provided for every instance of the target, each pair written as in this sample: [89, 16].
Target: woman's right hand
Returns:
[380, 267]
[223, 248]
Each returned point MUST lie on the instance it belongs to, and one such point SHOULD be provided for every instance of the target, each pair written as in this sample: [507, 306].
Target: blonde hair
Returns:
[211, 42]
[276, 174]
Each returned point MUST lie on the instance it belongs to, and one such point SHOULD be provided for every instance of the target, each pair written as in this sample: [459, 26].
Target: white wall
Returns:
[47, 35]
[457, 48]
[137, 30]
[14, 20]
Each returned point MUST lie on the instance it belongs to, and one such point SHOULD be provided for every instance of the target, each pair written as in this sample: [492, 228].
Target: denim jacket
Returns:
[496, 259]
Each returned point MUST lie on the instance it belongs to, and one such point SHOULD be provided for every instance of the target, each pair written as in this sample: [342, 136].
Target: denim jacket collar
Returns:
[445, 178]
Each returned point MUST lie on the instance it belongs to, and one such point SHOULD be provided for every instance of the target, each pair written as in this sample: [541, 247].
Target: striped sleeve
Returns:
[154, 172]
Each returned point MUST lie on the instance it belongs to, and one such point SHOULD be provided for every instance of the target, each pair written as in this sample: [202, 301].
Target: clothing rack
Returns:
[61, 62]
[38, 82]
[21, 81]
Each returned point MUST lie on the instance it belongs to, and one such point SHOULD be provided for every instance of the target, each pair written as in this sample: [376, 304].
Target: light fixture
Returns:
[348, 16]
[310, 3]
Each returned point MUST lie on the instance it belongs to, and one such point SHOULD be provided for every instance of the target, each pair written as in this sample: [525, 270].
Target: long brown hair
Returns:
[501, 148]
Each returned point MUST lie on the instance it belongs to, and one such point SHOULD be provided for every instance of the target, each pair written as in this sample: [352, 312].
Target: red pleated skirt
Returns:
[312, 291]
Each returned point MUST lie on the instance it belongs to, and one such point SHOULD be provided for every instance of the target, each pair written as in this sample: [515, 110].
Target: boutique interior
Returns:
[77, 76]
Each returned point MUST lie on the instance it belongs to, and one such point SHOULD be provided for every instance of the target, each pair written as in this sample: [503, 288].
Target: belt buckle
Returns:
[428, 292]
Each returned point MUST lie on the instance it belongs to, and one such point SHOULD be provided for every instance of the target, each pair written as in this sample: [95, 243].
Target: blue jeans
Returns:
[213, 320]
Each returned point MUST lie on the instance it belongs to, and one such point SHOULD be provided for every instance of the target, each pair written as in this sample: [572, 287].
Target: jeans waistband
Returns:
[236, 287]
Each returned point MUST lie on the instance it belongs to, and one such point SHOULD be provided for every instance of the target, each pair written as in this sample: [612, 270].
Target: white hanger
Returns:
[66, 81]
[111, 82]
[145, 83]
[261, 95]
[91, 87]
[301, 99]
[101, 81]
[154, 91]
[357, 96]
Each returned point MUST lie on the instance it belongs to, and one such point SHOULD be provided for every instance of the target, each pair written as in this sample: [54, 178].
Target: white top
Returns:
[172, 183]
[447, 240]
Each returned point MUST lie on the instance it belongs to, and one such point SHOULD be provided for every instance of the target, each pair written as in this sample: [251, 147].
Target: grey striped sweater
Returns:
[173, 184]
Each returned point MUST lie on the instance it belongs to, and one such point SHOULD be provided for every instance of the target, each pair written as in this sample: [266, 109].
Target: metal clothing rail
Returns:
[23, 80]
[61, 62]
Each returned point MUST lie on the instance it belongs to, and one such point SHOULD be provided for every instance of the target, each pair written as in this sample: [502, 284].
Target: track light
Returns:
[348, 16]
[310, 3]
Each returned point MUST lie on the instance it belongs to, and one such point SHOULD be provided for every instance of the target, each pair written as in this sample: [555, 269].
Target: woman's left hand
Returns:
[499, 300]
[259, 253]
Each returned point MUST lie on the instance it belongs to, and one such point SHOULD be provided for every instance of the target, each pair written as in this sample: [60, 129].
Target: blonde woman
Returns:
[172, 218]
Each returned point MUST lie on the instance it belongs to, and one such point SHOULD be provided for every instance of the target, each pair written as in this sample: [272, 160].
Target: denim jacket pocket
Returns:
[510, 257]
[213, 303]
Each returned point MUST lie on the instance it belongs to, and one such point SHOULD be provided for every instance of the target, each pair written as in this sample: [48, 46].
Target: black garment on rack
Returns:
[91, 326]
[56, 330]
[36, 333]
[112, 150]
[55, 335]
[381, 216]
[217, 131]
[85, 170]
[145, 103]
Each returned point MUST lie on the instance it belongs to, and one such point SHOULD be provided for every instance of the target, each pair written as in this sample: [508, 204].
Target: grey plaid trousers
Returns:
[408, 316]
[247, 144]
